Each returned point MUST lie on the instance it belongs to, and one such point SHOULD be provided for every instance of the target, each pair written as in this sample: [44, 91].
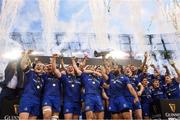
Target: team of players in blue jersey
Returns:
[124, 92]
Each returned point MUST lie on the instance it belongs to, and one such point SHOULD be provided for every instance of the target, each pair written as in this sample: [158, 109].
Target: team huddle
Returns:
[125, 91]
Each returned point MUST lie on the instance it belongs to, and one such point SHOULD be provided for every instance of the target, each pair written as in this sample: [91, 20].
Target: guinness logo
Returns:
[172, 107]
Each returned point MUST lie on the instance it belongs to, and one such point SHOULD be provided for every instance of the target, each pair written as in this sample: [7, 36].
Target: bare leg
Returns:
[47, 112]
[24, 116]
[89, 115]
[99, 115]
[68, 116]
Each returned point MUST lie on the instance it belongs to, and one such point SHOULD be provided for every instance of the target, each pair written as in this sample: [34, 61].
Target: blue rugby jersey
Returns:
[118, 85]
[172, 90]
[92, 84]
[146, 95]
[51, 85]
[158, 93]
[34, 83]
[134, 81]
[71, 87]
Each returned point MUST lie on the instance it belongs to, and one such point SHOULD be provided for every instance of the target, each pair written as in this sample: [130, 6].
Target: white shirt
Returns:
[13, 83]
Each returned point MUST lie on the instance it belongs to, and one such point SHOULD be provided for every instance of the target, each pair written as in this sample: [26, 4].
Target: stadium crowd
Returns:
[124, 92]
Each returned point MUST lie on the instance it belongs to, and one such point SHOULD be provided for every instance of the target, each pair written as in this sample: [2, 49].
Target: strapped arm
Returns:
[141, 89]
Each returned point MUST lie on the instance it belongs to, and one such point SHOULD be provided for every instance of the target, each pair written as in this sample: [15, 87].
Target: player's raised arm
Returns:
[177, 71]
[84, 61]
[144, 61]
[155, 69]
[62, 63]
[55, 70]
[79, 72]
[104, 75]
[167, 70]
[25, 61]
[107, 64]
[175, 68]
